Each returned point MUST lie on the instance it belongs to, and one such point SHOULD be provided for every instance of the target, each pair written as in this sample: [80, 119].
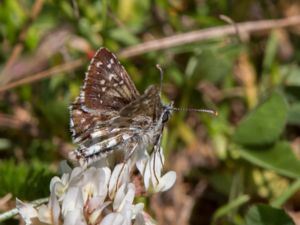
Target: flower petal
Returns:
[26, 210]
[124, 197]
[57, 185]
[120, 174]
[137, 209]
[141, 164]
[73, 199]
[166, 182]
[147, 174]
[113, 219]
[44, 214]
[97, 213]
[74, 217]
[55, 208]
[156, 166]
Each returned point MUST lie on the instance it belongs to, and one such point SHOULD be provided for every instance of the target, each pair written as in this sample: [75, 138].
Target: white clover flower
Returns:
[98, 196]
[150, 167]
[88, 196]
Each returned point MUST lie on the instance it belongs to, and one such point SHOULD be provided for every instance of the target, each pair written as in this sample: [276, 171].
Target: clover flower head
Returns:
[97, 195]
[86, 199]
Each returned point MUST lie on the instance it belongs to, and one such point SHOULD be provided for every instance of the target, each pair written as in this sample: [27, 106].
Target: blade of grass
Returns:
[224, 210]
[278, 202]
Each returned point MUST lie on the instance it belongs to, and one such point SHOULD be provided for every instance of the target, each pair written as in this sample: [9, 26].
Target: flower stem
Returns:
[13, 212]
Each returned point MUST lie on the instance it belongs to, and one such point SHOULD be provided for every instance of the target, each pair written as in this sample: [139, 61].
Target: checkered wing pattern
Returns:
[110, 114]
[107, 85]
[107, 89]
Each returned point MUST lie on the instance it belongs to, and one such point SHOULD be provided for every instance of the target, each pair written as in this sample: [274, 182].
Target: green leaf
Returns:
[279, 158]
[266, 215]
[207, 61]
[292, 75]
[265, 124]
[124, 36]
[32, 38]
[270, 52]
[293, 116]
[4, 143]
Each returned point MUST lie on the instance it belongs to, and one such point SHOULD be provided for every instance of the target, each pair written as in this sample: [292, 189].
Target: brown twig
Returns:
[38, 76]
[172, 41]
[209, 33]
[17, 50]
[230, 21]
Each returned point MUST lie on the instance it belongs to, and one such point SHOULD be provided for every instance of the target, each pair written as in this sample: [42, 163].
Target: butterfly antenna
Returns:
[210, 111]
[161, 77]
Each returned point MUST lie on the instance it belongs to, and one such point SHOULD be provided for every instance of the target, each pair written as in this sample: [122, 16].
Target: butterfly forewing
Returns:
[107, 84]
[107, 88]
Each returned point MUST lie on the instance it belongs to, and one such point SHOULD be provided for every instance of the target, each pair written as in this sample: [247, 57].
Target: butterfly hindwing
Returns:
[82, 123]
[148, 105]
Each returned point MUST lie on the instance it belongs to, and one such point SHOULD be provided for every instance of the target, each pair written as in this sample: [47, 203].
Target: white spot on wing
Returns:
[92, 150]
[102, 81]
[71, 122]
[115, 130]
[86, 109]
[78, 112]
[111, 76]
[96, 134]
[76, 140]
[82, 95]
[98, 64]
[112, 143]
[125, 136]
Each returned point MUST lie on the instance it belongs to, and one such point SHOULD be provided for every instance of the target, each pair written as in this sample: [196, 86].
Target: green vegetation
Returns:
[241, 167]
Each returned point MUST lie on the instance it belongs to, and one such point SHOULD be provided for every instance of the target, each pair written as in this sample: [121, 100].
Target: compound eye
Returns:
[165, 117]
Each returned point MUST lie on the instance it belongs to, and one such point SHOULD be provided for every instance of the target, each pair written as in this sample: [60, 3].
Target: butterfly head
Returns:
[167, 111]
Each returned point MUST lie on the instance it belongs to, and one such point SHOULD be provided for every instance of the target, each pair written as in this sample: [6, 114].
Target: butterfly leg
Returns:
[157, 150]
[127, 158]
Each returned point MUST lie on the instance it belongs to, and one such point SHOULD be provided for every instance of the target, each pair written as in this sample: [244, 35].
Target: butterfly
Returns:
[110, 114]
